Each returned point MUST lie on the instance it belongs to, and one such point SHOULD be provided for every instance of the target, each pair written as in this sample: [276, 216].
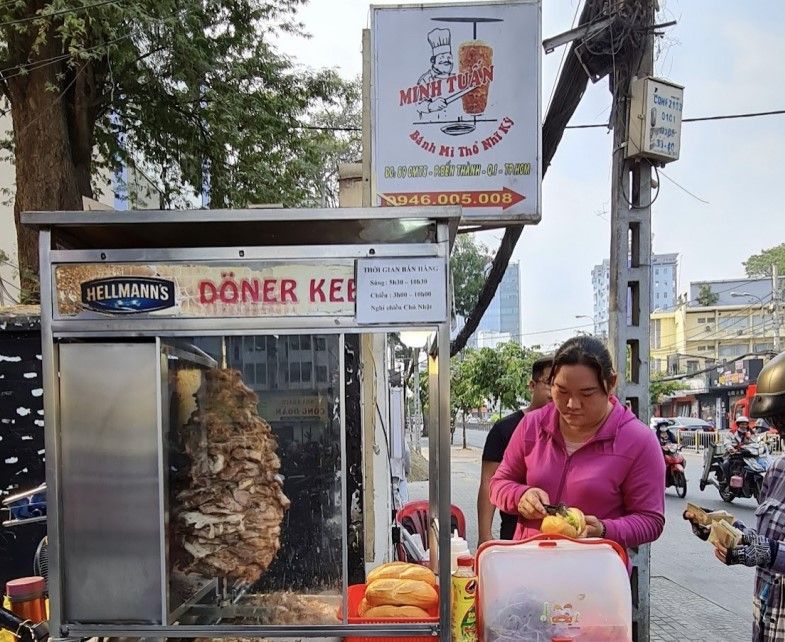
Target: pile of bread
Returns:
[399, 590]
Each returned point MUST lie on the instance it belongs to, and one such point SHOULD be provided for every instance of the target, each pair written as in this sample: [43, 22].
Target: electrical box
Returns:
[654, 130]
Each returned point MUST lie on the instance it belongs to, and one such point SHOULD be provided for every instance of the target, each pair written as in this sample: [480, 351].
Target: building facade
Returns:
[721, 320]
[503, 315]
[716, 342]
[664, 281]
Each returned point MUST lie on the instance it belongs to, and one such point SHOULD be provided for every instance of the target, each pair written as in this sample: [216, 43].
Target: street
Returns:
[684, 571]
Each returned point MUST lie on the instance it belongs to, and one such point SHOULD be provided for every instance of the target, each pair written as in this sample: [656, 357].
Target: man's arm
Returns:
[485, 509]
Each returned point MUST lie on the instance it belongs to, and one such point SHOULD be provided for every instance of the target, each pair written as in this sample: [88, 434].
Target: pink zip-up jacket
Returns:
[617, 476]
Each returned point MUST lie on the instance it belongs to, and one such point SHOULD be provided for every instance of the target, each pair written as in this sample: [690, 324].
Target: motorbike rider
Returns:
[743, 434]
[734, 442]
[764, 546]
[664, 434]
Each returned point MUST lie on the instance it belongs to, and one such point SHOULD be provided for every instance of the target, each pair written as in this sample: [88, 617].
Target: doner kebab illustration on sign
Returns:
[441, 69]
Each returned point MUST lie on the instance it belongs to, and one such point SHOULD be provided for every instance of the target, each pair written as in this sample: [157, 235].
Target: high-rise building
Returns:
[664, 276]
[504, 313]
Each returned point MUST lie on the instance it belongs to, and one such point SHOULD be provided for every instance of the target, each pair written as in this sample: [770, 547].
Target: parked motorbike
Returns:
[674, 468]
[741, 476]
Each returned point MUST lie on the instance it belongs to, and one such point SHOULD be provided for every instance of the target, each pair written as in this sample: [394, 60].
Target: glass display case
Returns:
[211, 443]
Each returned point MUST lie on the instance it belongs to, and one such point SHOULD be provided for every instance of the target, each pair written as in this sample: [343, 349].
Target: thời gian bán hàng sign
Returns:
[409, 290]
[456, 108]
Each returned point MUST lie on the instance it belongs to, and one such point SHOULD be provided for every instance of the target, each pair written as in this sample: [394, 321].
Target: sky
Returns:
[730, 56]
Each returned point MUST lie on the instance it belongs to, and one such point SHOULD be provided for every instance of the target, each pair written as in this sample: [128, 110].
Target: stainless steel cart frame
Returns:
[235, 238]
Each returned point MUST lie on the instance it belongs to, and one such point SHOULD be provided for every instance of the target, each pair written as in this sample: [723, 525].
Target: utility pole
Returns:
[775, 307]
[630, 276]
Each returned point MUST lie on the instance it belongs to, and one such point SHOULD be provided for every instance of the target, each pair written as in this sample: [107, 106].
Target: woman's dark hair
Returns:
[588, 351]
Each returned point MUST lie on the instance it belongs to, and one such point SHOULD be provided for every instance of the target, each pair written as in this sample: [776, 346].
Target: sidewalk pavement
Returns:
[677, 613]
[680, 615]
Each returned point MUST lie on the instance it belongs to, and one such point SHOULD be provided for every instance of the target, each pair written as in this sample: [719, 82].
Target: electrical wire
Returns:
[54, 14]
[563, 56]
[698, 119]
[719, 332]
[34, 65]
[691, 375]
[681, 187]
[775, 112]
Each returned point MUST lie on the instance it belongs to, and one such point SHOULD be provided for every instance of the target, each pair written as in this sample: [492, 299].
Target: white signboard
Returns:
[456, 108]
[409, 290]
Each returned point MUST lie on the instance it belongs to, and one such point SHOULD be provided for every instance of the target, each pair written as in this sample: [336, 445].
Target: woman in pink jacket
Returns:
[585, 449]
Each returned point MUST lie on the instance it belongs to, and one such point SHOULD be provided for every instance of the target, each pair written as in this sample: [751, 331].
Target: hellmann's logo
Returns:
[127, 294]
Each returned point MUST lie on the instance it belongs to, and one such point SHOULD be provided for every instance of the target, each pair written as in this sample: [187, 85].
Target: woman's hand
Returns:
[594, 527]
[531, 503]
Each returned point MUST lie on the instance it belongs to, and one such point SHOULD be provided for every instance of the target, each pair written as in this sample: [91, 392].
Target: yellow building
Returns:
[692, 337]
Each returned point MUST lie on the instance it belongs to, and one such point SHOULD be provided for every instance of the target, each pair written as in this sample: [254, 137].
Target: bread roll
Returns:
[386, 610]
[402, 571]
[401, 593]
[363, 607]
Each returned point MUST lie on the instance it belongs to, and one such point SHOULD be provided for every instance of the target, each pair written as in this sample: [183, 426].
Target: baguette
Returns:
[401, 593]
[402, 571]
[386, 610]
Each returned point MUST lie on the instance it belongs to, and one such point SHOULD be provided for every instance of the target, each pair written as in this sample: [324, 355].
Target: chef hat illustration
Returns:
[439, 40]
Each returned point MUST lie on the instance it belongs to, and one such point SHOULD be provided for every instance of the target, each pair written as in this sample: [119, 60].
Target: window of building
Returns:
[319, 344]
[305, 342]
[692, 366]
[701, 320]
[732, 350]
[261, 374]
[656, 333]
[321, 374]
[294, 372]
[248, 373]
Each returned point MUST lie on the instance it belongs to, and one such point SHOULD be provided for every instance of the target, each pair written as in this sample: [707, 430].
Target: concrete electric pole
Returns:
[630, 275]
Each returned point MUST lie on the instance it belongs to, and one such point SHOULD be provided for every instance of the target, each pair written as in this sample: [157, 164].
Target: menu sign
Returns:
[456, 107]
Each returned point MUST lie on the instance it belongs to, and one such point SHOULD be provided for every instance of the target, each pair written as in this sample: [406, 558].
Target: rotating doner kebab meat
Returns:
[228, 517]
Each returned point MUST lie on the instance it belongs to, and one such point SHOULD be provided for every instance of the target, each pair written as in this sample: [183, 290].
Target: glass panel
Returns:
[255, 481]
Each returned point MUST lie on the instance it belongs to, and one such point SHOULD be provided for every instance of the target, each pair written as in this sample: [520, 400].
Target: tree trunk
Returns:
[464, 431]
[53, 139]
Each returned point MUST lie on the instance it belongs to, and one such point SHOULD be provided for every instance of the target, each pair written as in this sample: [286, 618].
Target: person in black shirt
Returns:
[496, 443]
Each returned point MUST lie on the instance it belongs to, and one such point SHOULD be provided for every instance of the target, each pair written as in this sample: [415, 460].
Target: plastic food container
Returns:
[552, 587]
[356, 595]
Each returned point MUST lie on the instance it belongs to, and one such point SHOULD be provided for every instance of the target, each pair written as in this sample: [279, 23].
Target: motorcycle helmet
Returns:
[769, 400]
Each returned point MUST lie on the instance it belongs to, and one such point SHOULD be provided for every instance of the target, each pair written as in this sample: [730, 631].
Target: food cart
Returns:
[204, 453]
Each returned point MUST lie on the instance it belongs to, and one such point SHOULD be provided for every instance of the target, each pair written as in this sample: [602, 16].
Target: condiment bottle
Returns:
[27, 597]
[464, 593]
[458, 547]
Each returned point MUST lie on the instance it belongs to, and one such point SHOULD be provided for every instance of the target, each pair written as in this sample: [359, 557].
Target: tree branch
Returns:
[569, 91]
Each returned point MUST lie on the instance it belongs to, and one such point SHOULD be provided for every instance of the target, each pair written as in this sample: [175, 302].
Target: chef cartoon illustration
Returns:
[441, 67]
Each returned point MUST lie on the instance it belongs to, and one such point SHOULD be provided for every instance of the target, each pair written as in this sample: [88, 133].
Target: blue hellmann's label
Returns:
[128, 294]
